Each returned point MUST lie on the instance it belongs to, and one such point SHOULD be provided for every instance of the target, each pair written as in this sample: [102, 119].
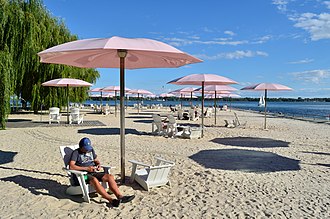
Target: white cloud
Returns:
[230, 33]
[314, 76]
[181, 42]
[281, 5]
[303, 61]
[239, 54]
[262, 39]
[327, 3]
[318, 26]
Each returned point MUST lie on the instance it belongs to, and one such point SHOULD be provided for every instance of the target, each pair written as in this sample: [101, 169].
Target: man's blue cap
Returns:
[86, 144]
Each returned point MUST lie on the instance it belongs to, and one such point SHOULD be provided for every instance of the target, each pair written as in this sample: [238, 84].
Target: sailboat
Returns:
[261, 101]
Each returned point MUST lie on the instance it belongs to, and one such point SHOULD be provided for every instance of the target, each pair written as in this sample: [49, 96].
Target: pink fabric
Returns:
[197, 79]
[217, 88]
[186, 90]
[63, 82]
[140, 91]
[114, 88]
[267, 86]
[167, 95]
[102, 53]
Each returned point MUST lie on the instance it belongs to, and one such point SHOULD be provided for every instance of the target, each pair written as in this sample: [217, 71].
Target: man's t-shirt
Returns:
[83, 159]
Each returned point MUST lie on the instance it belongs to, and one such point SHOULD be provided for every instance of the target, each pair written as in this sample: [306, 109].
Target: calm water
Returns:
[319, 110]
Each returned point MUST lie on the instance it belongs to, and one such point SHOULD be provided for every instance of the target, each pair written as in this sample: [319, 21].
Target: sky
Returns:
[250, 41]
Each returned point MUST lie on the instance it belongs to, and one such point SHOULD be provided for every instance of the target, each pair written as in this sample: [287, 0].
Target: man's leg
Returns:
[99, 188]
[112, 184]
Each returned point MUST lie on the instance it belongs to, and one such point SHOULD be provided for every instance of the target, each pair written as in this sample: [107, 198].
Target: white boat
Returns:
[261, 101]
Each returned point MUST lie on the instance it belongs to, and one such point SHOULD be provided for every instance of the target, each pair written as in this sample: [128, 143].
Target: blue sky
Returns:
[249, 41]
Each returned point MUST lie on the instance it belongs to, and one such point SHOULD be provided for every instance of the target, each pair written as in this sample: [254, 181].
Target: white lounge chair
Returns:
[83, 188]
[106, 110]
[192, 132]
[54, 115]
[75, 116]
[192, 115]
[157, 122]
[171, 129]
[151, 176]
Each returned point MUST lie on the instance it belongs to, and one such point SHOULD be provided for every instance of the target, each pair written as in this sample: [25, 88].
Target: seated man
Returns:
[85, 159]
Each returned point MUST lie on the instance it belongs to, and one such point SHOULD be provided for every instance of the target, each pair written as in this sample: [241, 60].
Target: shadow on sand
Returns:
[251, 142]
[245, 160]
[7, 156]
[38, 186]
[108, 131]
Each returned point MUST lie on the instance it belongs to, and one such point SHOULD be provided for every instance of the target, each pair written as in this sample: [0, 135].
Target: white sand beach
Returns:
[242, 172]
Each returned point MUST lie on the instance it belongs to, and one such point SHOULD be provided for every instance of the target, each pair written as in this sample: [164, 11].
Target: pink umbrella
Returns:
[138, 92]
[118, 52]
[167, 95]
[230, 95]
[265, 87]
[221, 89]
[98, 89]
[66, 82]
[202, 80]
[115, 89]
[184, 92]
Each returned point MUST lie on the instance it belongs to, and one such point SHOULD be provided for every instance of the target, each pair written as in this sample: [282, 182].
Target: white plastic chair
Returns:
[192, 115]
[171, 129]
[54, 115]
[151, 176]
[157, 122]
[83, 188]
[75, 116]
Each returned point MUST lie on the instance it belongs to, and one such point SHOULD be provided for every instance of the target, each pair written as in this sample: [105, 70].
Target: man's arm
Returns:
[73, 166]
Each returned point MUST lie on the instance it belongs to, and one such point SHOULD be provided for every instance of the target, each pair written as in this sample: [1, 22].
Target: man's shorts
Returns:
[88, 177]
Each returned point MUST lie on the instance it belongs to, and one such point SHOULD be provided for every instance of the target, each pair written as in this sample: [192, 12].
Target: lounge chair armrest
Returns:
[138, 163]
[107, 169]
[76, 172]
[163, 160]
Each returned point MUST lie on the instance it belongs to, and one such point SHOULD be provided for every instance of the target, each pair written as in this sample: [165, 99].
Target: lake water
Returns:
[319, 110]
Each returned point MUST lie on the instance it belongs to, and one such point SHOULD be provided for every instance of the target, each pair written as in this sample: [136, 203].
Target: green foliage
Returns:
[26, 28]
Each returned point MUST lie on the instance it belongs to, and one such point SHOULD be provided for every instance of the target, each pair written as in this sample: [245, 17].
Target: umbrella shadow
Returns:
[141, 113]
[138, 117]
[245, 160]
[251, 142]
[38, 186]
[32, 171]
[143, 121]
[313, 152]
[7, 156]
[108, 131]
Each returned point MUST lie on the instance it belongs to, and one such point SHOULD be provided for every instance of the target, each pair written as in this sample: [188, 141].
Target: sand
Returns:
[242, 172]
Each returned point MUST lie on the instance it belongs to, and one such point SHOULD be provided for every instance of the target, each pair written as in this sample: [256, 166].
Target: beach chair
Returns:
[171, 126]
[151, 176]
[192, 115]
[191, 132]
[180, 114]
[75, 116]
[157, 122]
[106, 110]
[54, 115]
[83, 188]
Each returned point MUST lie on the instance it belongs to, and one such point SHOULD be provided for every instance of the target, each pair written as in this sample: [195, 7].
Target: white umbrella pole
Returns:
[67, 109]
[138, 104]
[122, 54]
[115, 103]
[202, 134]
[265, 108]
[215, 106]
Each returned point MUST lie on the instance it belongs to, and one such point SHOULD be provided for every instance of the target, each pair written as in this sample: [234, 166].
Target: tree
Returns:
[26, 28]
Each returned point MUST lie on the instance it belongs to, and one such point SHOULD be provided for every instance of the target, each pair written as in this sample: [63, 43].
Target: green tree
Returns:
[26, 28]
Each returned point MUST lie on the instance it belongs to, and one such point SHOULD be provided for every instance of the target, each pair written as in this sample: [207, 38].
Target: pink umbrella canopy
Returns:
[167, 95]
[103, 53]
[202, 80]
[140, 91]
[184, 92]
[98, 89]
[66, 82]
[266, 87]
[118, 52]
